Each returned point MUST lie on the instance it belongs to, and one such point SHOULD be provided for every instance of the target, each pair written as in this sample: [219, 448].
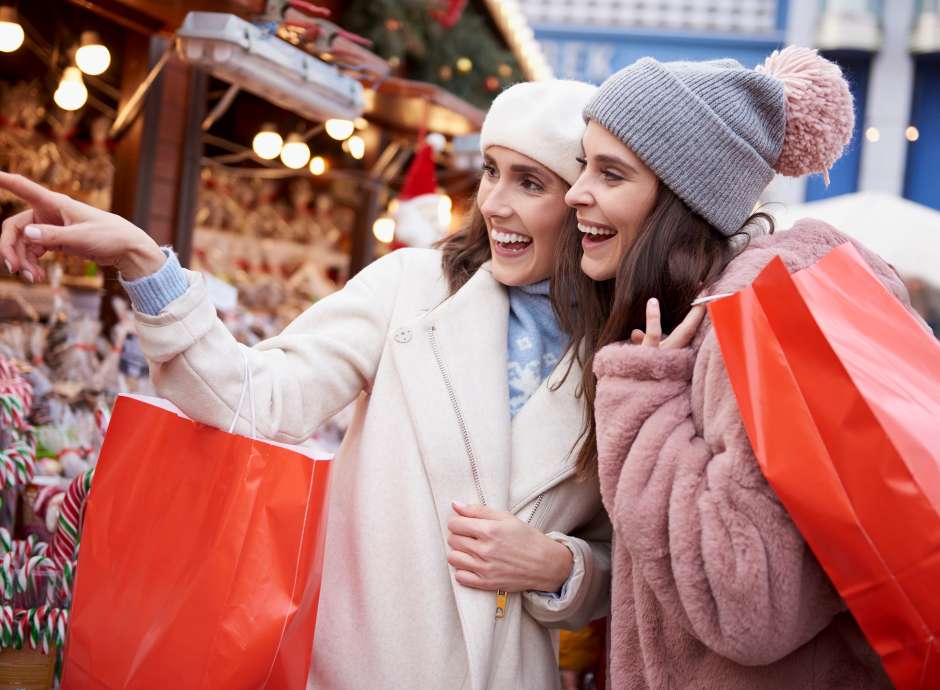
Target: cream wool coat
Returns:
[429, 373]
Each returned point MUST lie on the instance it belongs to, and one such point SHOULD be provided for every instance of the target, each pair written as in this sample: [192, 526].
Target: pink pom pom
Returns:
[820, 116]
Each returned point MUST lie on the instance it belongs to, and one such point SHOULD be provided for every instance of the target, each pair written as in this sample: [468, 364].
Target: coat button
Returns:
[403, 335]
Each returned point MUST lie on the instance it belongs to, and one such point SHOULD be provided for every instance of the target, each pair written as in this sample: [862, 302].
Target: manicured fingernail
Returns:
[32, 232]
[458, 504]
[9, 267]
[27, 275]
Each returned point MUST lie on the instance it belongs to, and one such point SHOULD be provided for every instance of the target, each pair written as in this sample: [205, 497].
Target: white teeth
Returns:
[507, 237]
[592, 230]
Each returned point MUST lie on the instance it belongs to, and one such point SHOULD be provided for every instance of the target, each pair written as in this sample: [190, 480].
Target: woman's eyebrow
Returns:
[522, 169]
[605, 159]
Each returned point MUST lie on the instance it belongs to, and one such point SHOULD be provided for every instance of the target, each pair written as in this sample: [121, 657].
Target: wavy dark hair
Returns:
[464, 251]
[676, 255]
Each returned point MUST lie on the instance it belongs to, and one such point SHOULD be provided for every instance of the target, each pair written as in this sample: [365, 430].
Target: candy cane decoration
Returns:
[16, 396]
[45, 499]
[18, 462]
[39, 628]
[65, 541]
[14, 410]
[6, 626]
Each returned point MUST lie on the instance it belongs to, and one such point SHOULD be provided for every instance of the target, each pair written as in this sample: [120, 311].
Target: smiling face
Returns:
[613, 197]
[523, 206]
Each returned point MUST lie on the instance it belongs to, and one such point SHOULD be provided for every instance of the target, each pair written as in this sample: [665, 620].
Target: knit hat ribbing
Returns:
[714, 131]
[542, 120]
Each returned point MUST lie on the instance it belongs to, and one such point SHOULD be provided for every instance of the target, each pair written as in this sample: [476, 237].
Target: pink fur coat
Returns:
[713, 586]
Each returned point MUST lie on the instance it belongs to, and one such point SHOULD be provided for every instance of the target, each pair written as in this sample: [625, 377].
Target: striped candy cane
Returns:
[65, 540]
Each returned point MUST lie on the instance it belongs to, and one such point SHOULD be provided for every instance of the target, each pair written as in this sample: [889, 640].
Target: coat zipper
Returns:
[460, 420]
[502, 596]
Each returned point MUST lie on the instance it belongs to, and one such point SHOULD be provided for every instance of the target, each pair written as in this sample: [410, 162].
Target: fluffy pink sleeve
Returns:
[688, 501]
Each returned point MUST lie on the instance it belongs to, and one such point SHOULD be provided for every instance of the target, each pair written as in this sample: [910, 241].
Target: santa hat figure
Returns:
[420, 220]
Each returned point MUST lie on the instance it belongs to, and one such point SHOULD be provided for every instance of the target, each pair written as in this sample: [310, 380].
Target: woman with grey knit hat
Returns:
[713, 585]
[460, 539]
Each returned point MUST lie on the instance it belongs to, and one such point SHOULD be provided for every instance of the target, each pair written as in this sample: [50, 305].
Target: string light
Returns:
[444, 207]
[911, 133]
[318, 165]
[356, 147]
[384, 229]
[295, 154]
[464, 64]
[11, 33]
[267, 143]
[92, 57]
[520, 37]
[71, 93]
[340, 129]
[872, 134]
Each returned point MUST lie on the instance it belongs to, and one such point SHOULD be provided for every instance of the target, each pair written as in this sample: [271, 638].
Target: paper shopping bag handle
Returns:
[249, 386]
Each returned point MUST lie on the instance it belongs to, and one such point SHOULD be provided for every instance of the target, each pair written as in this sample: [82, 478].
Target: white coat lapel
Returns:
[544, 432]
[452, 365]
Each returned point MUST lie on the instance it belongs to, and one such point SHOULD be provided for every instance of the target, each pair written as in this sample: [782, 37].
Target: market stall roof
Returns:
[904, 233]
[398, 104]
[164, 16]
[408, 105]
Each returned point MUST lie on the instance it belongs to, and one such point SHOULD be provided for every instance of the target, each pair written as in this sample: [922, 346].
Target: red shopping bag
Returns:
[200, 559]
[839, 390]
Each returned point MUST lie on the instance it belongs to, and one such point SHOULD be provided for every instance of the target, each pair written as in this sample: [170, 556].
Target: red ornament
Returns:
[491, 83]
[447, 13]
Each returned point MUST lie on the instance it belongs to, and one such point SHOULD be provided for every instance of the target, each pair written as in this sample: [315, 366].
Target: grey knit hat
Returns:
[715, 132]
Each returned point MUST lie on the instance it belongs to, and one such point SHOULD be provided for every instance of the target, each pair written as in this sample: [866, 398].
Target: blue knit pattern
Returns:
[535, 341]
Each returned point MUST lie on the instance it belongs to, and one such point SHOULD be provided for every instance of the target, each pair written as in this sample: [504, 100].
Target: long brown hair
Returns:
[464, 251]
[676, 255]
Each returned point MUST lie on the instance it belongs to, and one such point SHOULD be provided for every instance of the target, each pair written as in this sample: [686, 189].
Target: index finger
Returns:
[466, 527]
[686, 330]
[654, 329]
[27, 190]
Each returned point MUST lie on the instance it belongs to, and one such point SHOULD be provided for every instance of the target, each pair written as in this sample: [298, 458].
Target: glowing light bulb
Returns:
[71, 93]
[267, 143]
[356, 147]
[444, 207]
[11, 33]
[296, 153]
[340, 129]
[318, 165]
[92, 57]
[384, 229]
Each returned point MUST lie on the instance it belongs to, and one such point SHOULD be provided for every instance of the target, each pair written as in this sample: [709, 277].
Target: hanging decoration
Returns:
[448, 12]
[421, 213]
